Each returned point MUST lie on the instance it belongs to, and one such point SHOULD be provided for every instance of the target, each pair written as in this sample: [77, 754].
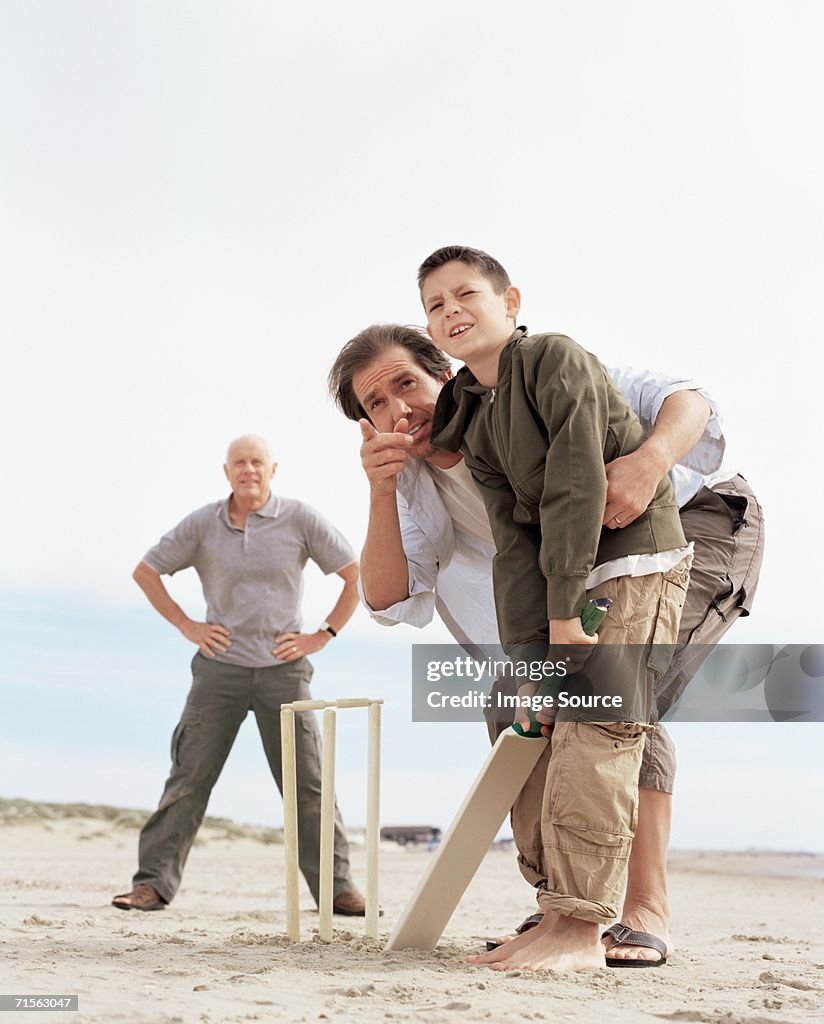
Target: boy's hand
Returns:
[568, 642]
[545, 716]
[383, 456]
[522, 713]
[569, 631]
[632, 482]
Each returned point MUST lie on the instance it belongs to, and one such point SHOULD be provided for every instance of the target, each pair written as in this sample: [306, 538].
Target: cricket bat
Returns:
[474, 827]
[460, 852]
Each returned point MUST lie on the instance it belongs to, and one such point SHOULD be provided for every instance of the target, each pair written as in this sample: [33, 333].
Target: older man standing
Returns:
[249, 551]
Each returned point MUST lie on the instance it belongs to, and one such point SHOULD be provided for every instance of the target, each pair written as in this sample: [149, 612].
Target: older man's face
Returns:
[249, 470]
[393, 387]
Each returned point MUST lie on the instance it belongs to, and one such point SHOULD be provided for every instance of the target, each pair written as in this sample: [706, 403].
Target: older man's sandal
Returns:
[627, 937]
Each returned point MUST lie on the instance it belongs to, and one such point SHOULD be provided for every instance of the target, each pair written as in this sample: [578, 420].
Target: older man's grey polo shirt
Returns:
[252, 578]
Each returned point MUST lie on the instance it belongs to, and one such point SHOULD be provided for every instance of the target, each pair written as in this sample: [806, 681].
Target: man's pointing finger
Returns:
[367, 430]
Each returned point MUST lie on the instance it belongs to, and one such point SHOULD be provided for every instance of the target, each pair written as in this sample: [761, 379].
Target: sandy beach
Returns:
[749, 929]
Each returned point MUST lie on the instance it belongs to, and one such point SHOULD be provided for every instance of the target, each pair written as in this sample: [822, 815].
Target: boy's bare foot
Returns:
[566, 944]
[524, 926]
[640, 918]
[509, 946]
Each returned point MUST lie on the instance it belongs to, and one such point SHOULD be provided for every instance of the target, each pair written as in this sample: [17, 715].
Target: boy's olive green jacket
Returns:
[537, 444]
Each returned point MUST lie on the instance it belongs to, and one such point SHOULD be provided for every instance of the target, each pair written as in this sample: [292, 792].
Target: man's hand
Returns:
[209, 638]
[631, 484]
[291, 646]
[383, 456]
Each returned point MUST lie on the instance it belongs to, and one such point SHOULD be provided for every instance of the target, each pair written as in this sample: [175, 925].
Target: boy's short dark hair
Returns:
[365, 347]
[477, 258]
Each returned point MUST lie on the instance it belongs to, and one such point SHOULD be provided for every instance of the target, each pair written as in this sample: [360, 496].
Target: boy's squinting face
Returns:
[466, 317]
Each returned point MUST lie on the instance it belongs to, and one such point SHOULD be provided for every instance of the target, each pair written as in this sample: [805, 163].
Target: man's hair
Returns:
[245, 439]
[365, 347]
[481, 261]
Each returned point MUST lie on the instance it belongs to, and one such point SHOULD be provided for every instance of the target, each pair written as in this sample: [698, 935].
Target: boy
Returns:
[537, 418]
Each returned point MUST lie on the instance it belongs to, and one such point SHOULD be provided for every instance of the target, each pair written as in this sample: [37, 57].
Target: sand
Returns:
[749, 929]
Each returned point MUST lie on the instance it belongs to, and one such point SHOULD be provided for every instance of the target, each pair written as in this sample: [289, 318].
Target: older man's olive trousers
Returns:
[220, 697]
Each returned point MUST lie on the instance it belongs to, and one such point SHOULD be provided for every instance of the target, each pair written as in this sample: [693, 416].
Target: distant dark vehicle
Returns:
[411, 834]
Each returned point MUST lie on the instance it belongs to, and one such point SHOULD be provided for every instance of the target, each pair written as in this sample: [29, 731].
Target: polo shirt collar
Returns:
[271, 510]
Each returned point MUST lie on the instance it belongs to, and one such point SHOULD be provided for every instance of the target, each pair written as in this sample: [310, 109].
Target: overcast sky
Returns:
[201, 202]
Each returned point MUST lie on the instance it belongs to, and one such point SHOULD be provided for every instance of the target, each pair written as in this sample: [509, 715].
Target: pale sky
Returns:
[201, 202]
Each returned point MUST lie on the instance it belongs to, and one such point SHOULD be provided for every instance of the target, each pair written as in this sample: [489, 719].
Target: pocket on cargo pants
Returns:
[591, 807]
[182, 738]
[665, 635]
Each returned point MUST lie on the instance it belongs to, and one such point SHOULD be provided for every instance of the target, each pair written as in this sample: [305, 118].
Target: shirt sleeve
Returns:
[176, 549]
[418, 609]
[646, 391]
[326, 545]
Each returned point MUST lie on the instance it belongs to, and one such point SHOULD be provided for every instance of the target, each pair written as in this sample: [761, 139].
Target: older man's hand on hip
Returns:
[211, 639]
[291, 646]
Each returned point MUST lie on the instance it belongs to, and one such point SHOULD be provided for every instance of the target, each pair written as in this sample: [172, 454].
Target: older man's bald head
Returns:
[250, 441]
[249, 468]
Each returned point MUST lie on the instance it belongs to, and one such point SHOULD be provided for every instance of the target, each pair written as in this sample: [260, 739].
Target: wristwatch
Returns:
[327, 628]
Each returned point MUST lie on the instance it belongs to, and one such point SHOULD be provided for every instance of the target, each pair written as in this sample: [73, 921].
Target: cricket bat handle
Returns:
[592, 616]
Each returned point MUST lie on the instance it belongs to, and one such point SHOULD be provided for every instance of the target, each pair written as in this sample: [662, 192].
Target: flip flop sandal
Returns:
[524, 926]
[627, 937]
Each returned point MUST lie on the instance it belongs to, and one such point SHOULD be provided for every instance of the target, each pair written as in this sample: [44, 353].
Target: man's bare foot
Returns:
[566, 944]
[640, 918]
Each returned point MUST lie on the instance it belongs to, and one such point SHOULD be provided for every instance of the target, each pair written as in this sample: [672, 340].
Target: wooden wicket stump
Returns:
[327, 823]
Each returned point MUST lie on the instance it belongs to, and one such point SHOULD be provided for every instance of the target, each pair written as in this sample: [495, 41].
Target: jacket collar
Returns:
[460, 397]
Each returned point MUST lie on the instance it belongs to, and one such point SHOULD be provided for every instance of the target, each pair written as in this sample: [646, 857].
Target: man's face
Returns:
[466, 317]
[249, 470]
[393, 386]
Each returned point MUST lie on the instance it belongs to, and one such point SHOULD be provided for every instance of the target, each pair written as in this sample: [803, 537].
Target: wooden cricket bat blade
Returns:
[466, 842]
